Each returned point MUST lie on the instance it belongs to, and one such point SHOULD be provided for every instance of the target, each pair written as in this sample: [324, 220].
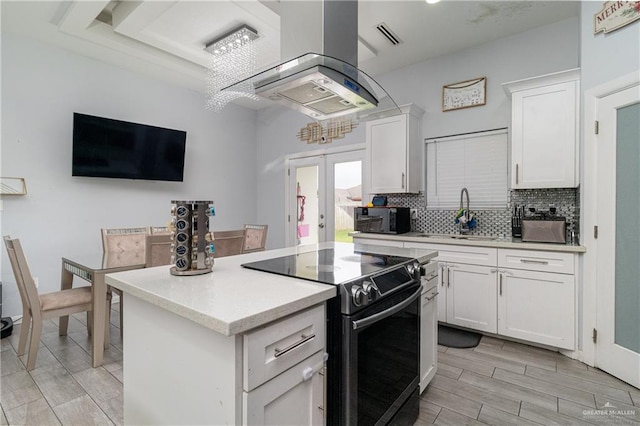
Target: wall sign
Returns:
[465, 94]
[615, 15]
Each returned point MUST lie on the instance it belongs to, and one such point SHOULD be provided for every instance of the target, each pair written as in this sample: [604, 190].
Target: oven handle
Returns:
[386, 313]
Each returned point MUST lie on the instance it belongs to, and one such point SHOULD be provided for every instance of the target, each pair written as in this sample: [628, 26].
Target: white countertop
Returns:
[499, 242]
[233, 299]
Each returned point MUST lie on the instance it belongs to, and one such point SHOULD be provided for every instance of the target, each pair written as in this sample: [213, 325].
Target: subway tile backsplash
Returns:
[493, 222]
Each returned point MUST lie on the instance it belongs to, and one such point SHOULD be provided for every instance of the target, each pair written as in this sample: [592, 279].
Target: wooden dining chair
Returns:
[228, 243]
[158, 250]
[255, 238]
[128, 242]
[39, 307]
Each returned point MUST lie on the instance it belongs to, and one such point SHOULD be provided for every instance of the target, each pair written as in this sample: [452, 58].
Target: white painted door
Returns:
[537, 306]
[471, 297]
[618, 241]
[323, 191]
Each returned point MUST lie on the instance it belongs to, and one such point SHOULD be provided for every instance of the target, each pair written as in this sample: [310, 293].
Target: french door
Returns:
[618, 241]
[322, 191]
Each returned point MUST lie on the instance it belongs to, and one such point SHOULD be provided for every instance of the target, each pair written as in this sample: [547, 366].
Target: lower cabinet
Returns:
[534, 305]
[525, 294]
[284, 371]
[289, 398]
[471, 297]
[429, 326]
[273, 374]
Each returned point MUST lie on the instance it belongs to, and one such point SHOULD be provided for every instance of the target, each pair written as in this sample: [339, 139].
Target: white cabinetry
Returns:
[545, 130]
[270, 375]
[536, 297]
[524, 294]
[282, 362]
[428, 326]
[393, 151]
[467, 282]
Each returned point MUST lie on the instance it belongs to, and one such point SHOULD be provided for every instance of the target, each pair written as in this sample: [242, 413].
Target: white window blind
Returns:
[476, 161]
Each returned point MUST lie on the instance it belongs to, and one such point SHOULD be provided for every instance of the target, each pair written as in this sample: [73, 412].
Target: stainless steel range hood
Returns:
[321, 85]
[318, 86]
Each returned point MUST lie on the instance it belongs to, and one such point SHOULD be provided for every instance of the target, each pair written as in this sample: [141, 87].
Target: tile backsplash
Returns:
[498, 221]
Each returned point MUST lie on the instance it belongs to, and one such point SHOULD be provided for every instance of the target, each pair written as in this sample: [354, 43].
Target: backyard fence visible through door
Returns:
[322, 192]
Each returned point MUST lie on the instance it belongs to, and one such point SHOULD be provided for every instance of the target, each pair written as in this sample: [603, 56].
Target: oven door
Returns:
[381, 352]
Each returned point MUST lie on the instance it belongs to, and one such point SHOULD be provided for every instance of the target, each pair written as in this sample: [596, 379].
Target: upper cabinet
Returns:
[393, 151]
[545, 130]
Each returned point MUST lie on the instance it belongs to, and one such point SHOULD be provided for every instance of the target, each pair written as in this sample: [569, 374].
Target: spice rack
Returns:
[192, 248]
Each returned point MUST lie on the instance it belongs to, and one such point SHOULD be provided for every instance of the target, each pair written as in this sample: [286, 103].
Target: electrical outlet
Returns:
[414, 213]
[35, 280]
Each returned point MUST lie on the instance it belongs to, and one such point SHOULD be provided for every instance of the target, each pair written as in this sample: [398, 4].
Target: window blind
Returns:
[476, 161]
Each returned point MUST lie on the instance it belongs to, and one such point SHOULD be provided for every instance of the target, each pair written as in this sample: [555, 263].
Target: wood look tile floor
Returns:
[498, 383]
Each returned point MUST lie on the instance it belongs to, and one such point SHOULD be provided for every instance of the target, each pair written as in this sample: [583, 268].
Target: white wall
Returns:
[606, 57]
[555, 47]
[42, 86]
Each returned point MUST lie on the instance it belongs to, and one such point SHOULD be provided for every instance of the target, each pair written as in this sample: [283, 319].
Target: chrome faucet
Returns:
[463, 227]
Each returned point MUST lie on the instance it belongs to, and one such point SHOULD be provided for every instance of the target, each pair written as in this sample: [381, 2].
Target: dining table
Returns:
[92, 267]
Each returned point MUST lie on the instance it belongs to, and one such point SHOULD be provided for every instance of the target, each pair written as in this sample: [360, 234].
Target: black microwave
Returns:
[382, 220]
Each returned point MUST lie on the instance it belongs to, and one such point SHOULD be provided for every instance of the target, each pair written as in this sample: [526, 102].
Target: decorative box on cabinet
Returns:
[393, 151]
[545, 130]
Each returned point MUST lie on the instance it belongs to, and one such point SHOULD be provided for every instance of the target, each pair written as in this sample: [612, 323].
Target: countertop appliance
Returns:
[548, 229]
[373, 331]
[382, 220]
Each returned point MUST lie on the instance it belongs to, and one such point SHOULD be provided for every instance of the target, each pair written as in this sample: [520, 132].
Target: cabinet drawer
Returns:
[375, 242]
[272, 349]
[485, 256]
[531, 260]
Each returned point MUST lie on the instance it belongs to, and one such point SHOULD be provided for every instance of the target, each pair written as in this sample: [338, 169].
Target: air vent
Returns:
[388, 34]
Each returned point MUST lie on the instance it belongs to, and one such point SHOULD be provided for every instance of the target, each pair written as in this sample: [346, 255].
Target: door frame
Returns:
[317, 153]
[589, 207]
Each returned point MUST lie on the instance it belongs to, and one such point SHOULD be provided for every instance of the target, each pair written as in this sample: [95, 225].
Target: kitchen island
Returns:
[230, 347]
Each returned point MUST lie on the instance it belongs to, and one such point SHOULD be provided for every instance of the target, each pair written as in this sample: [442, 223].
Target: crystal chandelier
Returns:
[233, 58]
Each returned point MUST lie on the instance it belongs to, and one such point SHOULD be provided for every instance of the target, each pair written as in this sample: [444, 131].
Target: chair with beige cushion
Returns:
[158, 250]
[39, 307]
[125, 243]
[255, 238]
[228, 243]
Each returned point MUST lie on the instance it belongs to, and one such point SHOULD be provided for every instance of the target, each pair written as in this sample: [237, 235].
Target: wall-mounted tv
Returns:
[108, 148]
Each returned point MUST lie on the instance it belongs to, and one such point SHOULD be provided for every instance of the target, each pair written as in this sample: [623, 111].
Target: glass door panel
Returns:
[627, 245]
[347, 194]
[307, 205]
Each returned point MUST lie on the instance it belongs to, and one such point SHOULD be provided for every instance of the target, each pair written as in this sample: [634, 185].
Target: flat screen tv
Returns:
[108, 148]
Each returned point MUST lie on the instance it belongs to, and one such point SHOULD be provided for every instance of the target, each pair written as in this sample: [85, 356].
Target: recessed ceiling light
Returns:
[432, 1]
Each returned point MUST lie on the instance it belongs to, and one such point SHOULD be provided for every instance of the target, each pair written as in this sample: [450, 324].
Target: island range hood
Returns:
[325, 84]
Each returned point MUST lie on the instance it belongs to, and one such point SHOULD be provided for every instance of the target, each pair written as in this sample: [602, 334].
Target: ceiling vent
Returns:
[388, 34]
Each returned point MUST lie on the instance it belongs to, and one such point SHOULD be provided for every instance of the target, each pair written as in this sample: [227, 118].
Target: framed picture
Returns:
[465, 94]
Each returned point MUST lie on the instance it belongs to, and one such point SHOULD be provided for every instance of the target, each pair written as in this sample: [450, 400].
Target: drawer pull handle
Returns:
[538, 262]
[434, 296]
[303, 339]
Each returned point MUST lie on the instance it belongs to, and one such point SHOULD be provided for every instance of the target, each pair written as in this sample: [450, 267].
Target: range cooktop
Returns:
[328, 266]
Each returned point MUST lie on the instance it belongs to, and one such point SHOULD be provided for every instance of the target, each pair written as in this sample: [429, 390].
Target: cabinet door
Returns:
[288, 399]
[544, 136]
[537, 306]
[387, 150]
[428, 336]
[471, 297]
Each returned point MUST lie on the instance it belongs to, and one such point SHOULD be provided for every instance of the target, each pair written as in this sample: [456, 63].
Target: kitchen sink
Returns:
[459, 237]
